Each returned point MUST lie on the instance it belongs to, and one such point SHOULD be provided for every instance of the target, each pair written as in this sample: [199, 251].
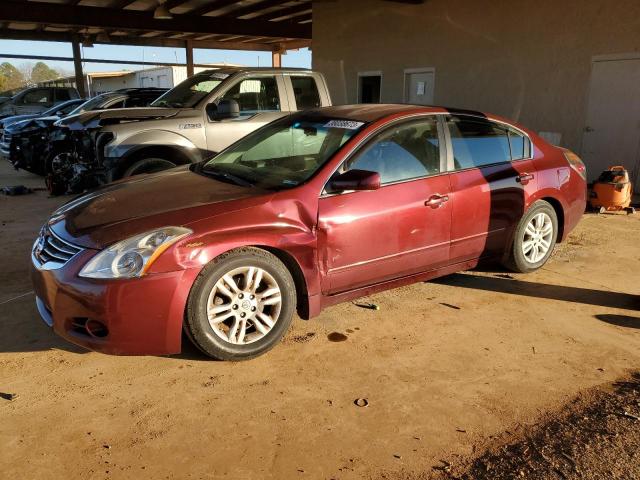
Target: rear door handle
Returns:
[524, 178]
[436, 201]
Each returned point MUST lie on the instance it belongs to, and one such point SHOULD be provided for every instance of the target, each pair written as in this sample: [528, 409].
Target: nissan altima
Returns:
[319, 207]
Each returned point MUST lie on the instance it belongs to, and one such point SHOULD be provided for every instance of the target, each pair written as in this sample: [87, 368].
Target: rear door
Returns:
[306, 91]
[262, 99]
[491, 176]
[367, 237]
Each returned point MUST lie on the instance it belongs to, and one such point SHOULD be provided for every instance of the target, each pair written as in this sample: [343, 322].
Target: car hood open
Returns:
[122, 209]
[99, 118]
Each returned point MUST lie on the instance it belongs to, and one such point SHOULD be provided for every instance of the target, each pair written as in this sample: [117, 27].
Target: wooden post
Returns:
[276, 59]
[189, 49]
[77, 65]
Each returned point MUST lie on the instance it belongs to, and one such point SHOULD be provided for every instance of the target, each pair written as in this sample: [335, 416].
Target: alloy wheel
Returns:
[538, 236]
[244, 305]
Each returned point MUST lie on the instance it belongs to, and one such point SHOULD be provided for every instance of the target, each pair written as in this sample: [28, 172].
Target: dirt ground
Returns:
[448, 368]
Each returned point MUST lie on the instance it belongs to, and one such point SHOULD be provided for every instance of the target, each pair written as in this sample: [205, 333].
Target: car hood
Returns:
[14, 119]
[99, 118]
[30, 123]
[176, 197]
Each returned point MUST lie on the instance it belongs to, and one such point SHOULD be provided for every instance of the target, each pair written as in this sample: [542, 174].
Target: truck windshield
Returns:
[187, 94]
[283, 154]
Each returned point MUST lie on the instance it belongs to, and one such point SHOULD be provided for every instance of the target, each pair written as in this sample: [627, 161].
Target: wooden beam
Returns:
[285, 12]
[189, 48]
[255, 8]
[98, 17]
[142, 41]
[97, 60]
[276, 59]
[77, 66]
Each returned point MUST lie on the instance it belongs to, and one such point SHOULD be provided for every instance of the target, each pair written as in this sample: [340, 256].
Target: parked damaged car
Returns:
[202, 115]
[32, 145]
[23, 138]
[316, 208]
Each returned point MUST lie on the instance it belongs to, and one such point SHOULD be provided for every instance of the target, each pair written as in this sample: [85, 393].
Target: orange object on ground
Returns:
[612, 191]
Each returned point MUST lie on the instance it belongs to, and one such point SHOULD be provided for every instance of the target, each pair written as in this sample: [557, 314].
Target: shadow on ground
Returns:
[619, 320]
[507, 284]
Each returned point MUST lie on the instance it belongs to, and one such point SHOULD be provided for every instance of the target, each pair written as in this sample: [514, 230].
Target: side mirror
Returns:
[225, 109]
[354, 180]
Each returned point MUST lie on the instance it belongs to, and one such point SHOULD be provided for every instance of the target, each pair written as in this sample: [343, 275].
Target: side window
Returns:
[255, 95]
[306, 92]
[62, 95]
[406, 151]
[520, 145]
[477, 142]
[39, 96]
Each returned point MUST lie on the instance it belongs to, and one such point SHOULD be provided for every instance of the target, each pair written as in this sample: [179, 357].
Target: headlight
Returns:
[133, 257]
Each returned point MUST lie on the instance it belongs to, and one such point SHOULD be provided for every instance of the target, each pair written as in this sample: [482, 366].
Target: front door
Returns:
[262, 99]
[402, 228]
[492, 176]
[612, 133]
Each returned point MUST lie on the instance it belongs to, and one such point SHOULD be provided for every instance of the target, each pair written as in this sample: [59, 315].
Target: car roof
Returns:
[372, 112]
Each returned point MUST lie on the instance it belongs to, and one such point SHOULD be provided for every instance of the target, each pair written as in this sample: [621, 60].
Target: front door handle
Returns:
[436, 201]
[524, 178]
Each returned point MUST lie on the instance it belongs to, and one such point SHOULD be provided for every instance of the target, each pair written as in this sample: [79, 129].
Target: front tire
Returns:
[534, 239]
[148, 165]
[241, 305]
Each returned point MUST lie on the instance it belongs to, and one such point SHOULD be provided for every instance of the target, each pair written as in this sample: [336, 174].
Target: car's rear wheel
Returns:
[148, 165]
[534, 239]
[241, 305]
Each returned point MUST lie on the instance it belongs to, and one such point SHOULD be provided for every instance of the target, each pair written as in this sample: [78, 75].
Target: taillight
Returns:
[576, 163]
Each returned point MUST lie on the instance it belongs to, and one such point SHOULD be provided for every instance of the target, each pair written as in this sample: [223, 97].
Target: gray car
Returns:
[202, 115]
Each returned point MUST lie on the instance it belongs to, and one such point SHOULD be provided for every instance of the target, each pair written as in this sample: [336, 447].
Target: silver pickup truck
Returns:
[199, 117]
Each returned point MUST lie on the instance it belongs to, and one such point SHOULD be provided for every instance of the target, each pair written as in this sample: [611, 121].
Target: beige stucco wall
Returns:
[527, 60]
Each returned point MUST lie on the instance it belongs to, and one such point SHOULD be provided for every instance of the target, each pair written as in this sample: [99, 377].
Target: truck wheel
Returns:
[534, 239]
[241, 305]
[148, 165]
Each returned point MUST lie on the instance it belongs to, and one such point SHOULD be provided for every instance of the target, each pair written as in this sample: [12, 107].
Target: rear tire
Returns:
[534, 239]
[148, 165]
[241, 305]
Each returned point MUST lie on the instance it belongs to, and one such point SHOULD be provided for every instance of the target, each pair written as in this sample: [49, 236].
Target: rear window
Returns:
[306, 92]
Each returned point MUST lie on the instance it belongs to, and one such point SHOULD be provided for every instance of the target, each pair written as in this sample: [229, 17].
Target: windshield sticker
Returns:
[346, 124]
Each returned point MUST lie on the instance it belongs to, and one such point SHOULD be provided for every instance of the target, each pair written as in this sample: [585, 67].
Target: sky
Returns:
[300, 58]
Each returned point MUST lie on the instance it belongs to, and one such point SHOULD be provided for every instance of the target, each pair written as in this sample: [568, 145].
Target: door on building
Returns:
[369, 87]
[612, 132]
[419, 86]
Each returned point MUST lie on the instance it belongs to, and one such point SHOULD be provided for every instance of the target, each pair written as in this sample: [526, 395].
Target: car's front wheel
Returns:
[241, 305]
[534, 239]
[148, 165]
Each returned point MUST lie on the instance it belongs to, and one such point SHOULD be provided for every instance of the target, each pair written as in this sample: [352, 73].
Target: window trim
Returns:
[444, 151]
[507, 126]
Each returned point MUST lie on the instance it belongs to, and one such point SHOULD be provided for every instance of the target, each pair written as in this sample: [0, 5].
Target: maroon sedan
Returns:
[316, 208]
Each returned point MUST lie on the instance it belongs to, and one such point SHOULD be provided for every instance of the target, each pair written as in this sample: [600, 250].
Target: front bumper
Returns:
[140, 316]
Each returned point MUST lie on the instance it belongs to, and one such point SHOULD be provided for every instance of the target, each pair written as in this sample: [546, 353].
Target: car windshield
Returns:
[65, 107]
[283, 154]
[94, 104]
[187, 94]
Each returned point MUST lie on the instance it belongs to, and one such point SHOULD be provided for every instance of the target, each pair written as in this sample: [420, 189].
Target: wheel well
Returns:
[557, 206]
[169, 153]
[298, 277]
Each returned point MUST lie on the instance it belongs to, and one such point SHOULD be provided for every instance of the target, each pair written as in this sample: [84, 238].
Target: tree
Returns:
[41, 72]
[12, 77]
